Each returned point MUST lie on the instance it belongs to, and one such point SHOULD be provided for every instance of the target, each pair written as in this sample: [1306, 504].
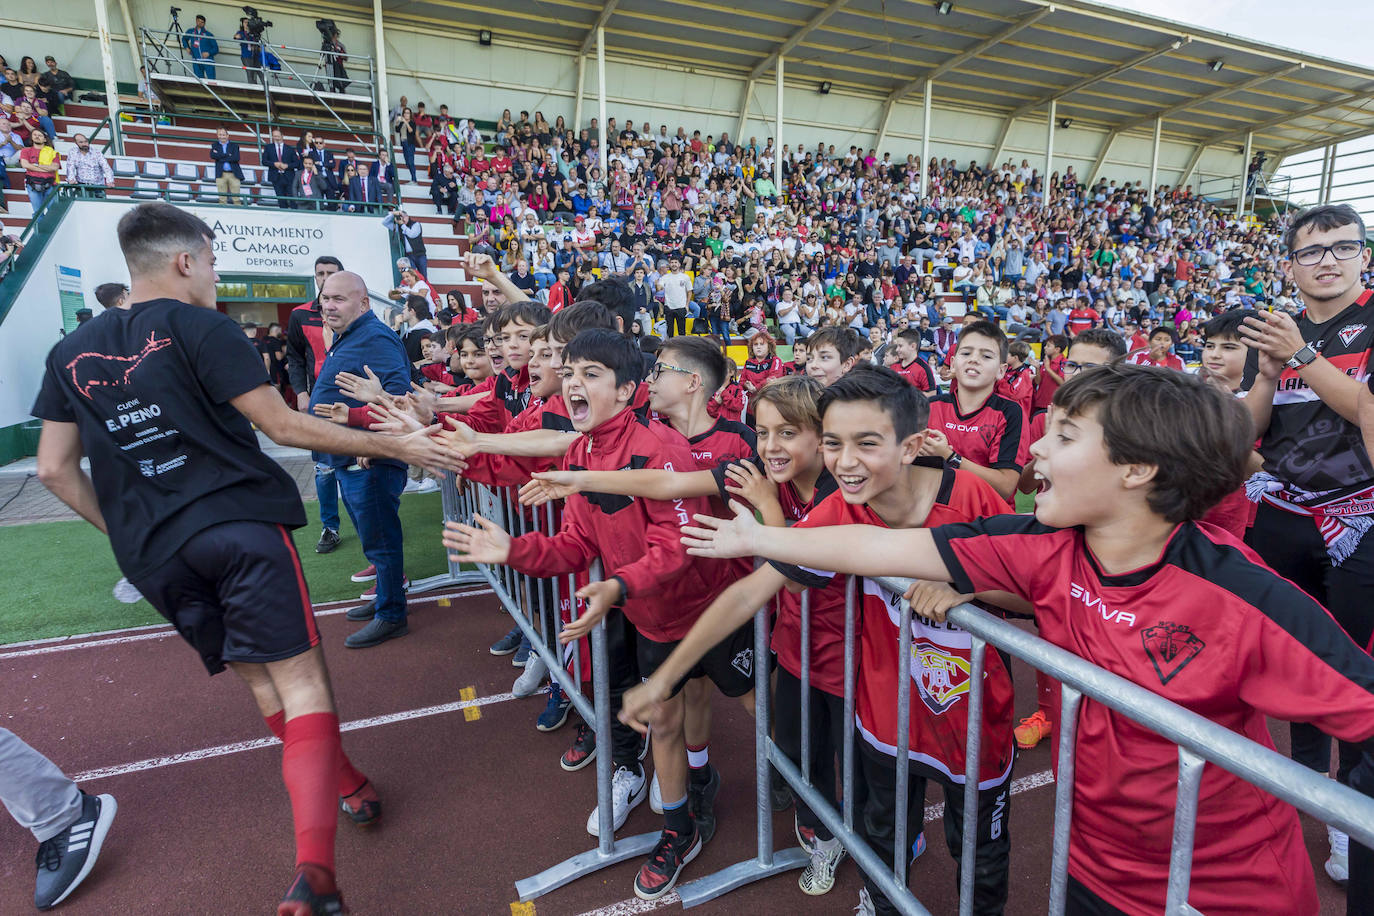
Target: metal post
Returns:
[777, 135]
[1185, 823]
[383, 98]
[1331, 172]
[972, 771]
[1321, 176]
[901, 853]
[806, 685]
[133, 40]
[1154, 160]
[601, 97]
[851, 673]
[1069, 699]
[1049, 145]
[1244, 172]
[102, 24]
[577, 108]
[925, 138]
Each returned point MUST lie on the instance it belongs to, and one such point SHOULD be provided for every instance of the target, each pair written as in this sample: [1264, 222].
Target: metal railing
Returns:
[1199, 740]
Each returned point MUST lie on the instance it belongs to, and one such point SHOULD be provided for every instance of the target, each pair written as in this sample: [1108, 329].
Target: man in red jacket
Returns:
[661, 589]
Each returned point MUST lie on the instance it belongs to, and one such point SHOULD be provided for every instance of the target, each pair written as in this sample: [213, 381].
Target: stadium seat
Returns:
[124, 167]
[152, 168]
[179, 191]
[145, 189]
[250, 176]
[209, 194]
[209, 171]
[185, 171]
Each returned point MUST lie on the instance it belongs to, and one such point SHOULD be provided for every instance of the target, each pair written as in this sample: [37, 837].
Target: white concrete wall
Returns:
[85, 240]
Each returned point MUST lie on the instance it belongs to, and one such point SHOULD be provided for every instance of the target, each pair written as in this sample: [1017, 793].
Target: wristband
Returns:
[954, 459]
[624, 591]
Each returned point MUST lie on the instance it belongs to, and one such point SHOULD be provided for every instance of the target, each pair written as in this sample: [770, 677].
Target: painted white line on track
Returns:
[238, 747]
[162, 631]
[634, 905]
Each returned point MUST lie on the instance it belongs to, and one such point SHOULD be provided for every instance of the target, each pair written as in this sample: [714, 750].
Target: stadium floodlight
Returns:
[1215, 65]
[484, 37]
[943, 7]
[825, 87]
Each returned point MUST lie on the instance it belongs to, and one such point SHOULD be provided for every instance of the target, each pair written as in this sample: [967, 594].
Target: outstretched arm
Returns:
[59, 469]
[862, 550]
[647, 483]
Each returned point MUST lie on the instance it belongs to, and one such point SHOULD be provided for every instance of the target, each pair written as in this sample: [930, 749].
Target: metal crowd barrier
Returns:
[535, 609]
[454, 501]
[1199, 739]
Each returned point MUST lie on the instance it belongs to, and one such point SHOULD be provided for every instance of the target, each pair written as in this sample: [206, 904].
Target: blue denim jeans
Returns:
[373, 500]
[327, 492]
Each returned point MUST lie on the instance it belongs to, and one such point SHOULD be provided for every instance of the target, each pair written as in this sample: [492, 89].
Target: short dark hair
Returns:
[151, 234]
[108, 294]
[984, 328]
[1059, 340]
[565, 323]
[329, 259]
[701, 356]
[612, 292]
[615, 351]
[1323, 219]
[419, 305]
[1102, 337]
[910, 335]
[475, 333]
[1226, 325]
[527, 312]
[908, 409]
[846, 342]
[1167, 418]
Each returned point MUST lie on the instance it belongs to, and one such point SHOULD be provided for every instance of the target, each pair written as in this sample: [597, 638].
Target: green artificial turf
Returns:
[65, 571]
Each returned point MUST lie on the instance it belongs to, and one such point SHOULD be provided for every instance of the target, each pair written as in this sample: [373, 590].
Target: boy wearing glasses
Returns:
[1315, 493]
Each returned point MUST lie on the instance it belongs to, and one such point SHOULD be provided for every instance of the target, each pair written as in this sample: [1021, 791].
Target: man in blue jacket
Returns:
[363, 191]
[371, 490]
[202, 47]
[228, 173]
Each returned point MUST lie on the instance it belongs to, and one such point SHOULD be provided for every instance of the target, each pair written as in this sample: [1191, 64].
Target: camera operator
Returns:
[250, 52]
[334, 50]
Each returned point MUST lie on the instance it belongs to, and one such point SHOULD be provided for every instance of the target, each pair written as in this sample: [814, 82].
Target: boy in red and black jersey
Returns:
[1118, 573]
[1018, 382]
[306, 341]
[513, 328]
[874, 423]
[972, 427]
[1159, 351]
[906, 347]
[661, 589]
[798, 364]
[1051, 374]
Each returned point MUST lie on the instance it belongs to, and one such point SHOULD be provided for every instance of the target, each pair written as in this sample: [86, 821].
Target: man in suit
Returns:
[444, 190]
[282, 163]
[310, 184]
[228, 175]
[386, 177]
[363, 191]
[325, 165]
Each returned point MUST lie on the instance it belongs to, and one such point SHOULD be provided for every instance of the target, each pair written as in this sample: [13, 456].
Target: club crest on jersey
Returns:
[1350, 332]
[1170, 646]
[941, 678]
[743, 662]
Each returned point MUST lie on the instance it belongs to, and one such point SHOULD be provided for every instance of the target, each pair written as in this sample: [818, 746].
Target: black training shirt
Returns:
[149, 388]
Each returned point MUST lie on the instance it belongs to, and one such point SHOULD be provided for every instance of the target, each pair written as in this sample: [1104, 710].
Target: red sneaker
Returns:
[363, 807]
[366, 575]
[312, 893]
[372, 590]
[1032, 730]
[658, 875]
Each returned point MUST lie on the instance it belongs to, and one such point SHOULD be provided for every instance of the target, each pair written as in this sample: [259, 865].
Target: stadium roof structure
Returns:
[1104, 67]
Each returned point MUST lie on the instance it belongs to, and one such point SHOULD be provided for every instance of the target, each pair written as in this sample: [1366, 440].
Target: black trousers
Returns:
[827, 745]
[993, 849]
[1083, 902]
[621, 641]
[677, 323]
[1359, 894]
[1292, 546]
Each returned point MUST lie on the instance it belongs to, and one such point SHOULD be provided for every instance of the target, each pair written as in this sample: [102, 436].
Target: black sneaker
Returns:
[779, 791]
[582, 751]
[329, 539]
[363, 611]
[65, 860]
[376, 633]
[658, 875]
[303, 900]
[701, 803]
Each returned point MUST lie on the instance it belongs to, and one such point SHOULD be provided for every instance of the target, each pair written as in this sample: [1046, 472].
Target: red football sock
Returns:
[350, 780]
[310, 767]
[1047, 695]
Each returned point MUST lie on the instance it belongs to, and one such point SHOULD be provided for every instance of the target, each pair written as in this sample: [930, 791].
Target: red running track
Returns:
[474, 797]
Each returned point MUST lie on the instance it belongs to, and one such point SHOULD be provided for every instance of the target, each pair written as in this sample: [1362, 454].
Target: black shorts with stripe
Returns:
[729, 663]
[236, 593]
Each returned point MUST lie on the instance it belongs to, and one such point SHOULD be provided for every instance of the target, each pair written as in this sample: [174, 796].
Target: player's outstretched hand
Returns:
[485, 542]
[600, 598]
[367, 389]
[424, 402]
[420, 448]
[392, 416]
[334, 413]
[720, 537]
[641, 705]
[933, 600]
[546, 486]
[460, 437]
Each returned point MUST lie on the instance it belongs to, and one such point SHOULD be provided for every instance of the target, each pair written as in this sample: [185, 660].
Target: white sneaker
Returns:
[655, 796]
[1338, 866]
[819, 876]
[412, 486]
[627, 790]
[530, 680]
[428, 485]
[865, 907]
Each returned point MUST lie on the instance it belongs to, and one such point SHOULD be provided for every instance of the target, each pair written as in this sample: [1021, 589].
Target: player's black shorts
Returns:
[235, 592]
[730, 663]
